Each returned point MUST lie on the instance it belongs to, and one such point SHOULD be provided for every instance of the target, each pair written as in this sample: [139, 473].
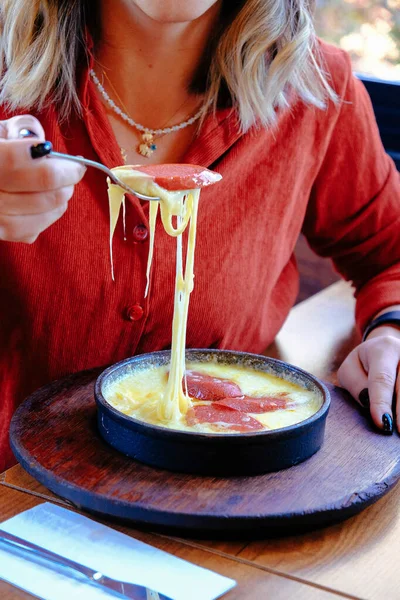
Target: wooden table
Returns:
[355, 559]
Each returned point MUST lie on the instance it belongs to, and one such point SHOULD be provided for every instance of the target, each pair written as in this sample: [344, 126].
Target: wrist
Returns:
[391, 330]
[387, 323]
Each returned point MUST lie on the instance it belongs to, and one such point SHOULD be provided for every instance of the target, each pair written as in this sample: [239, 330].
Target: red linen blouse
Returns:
[323, 172]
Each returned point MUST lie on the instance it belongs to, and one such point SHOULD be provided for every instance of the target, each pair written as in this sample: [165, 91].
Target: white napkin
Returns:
[104, 549]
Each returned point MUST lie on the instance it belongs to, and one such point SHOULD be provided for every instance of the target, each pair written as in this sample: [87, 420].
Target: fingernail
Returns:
[387, 423]
[364, 398]
[41, 150]
[27, 133]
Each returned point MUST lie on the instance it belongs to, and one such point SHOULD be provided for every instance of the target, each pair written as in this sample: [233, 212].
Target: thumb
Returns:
[21, 127]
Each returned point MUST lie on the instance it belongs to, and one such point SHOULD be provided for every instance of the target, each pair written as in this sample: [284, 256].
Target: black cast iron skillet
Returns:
[212, 454]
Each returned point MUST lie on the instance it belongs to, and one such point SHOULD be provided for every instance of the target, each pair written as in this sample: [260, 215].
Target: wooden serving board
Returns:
[54, 436]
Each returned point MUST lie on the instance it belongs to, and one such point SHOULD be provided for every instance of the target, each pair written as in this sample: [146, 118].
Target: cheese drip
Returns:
[183, 206]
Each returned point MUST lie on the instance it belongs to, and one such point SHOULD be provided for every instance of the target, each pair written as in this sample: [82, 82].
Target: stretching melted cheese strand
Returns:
[114, 202]
[182, 205]
[152, 223]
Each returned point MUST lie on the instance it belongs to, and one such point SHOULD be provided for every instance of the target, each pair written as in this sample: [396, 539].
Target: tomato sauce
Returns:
[174, 177]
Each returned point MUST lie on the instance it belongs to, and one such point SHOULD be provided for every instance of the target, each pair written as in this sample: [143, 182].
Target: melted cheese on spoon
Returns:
[181, 206]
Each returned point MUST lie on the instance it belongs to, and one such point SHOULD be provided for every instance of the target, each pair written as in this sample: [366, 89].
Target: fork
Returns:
[46, 149]
[121, 588]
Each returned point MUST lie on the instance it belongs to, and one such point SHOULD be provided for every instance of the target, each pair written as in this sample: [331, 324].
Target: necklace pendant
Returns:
[145, 150]
[147, 147]
[124, 155]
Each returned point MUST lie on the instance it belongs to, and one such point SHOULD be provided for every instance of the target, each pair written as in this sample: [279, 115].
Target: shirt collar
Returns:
[219, 131]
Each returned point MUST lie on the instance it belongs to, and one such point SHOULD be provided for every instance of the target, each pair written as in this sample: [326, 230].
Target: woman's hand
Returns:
[33, 193]
[370, 374]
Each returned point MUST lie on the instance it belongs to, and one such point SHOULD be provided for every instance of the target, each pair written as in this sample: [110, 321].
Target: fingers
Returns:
[353, 377]
[36, 199]
[380, 358]
[33, 193]
[369, 373]
[16, 137]
[19, 173]
[34, 203]
[17, 128]
[27, 228]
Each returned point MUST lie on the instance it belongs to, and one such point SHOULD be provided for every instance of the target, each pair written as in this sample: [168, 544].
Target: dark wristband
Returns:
[390, 318]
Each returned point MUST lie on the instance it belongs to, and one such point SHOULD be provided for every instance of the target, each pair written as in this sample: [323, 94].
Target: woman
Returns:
[298, 151]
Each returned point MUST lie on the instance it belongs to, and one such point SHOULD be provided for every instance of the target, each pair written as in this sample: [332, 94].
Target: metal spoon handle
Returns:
[46, 149]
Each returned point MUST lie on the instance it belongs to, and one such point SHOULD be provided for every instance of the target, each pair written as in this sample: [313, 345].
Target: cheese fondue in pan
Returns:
[223, 398]
[203, 397]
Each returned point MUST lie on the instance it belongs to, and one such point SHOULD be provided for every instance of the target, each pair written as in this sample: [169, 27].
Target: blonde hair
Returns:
[264, 50]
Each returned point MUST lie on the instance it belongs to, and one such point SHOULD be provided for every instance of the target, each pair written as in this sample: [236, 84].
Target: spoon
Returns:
[46, 149]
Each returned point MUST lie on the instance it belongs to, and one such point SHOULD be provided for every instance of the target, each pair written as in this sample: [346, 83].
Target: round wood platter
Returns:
[54, 437]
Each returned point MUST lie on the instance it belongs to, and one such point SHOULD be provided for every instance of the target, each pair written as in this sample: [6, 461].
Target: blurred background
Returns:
[368, 29]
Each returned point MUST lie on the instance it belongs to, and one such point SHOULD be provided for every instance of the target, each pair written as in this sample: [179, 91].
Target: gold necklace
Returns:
[148, 136]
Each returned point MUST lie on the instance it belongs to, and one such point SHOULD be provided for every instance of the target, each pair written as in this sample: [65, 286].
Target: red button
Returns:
[140, 233]
[134, 312]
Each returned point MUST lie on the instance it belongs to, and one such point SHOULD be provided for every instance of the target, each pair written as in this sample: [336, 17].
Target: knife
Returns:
[123, 589]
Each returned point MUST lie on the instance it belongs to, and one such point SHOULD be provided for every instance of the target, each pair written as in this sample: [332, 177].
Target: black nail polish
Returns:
[387, 422]
[41, 150]
[27, 133]
[364, 398]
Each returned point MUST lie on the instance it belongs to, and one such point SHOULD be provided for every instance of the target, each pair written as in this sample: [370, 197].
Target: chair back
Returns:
[385, 97]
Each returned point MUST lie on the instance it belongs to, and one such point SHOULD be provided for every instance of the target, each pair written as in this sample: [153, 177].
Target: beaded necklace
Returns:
[147, 145]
